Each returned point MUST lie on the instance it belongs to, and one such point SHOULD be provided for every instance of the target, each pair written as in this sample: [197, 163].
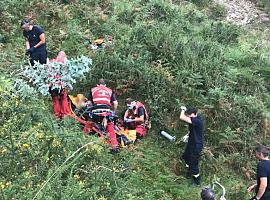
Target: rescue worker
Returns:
[136, 117]
[262, 187]
[35, 42]
[195, 142]
[209, 194]
[105, 105]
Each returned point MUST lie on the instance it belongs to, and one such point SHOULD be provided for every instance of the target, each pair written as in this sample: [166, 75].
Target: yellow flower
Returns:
[81, 183]
[40, 135]
[2, 185]
[76, 176]
[25, 145]
[3, 150]
[56, 143]
[8, 184]
[5, 104]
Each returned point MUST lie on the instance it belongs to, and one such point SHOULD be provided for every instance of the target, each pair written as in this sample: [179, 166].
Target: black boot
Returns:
[196, 181]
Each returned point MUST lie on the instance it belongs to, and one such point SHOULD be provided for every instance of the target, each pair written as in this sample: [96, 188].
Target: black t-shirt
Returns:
[33, 37]
[263, 170]
[196, 131]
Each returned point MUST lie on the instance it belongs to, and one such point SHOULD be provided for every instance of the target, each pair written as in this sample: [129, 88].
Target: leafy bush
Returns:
[164, 54]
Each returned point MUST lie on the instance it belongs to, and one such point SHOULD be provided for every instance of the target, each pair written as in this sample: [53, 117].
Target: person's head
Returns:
[26, 24]
[61, 57]
[208, 194]
[261, 151]
[130, 103]
[101, 82]
[191, 112]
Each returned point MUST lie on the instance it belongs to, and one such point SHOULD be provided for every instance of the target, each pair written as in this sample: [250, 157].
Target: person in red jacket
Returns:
[136, 117]
[105, 104]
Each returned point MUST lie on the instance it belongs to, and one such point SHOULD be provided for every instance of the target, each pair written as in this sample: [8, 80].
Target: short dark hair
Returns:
[191, 110]
[101, 81]
[128, 101]
[208, 194]
[25, 21]
[262, 149]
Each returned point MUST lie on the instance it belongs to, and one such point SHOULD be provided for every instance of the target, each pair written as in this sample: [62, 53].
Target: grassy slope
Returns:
[151, 169]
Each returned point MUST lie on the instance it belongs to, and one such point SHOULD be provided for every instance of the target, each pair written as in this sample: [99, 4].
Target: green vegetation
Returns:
[164, 54]
[265, 4]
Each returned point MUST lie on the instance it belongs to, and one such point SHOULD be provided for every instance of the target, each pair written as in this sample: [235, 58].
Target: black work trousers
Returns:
[39, 56]
[191, 156]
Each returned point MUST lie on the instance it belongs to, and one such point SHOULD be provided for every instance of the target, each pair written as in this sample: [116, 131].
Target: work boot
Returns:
[196, 180]
[115, 150]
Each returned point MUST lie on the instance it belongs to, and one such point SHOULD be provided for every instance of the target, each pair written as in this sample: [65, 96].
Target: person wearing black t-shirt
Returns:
[195, 142]
[35, 42]
[262, 187]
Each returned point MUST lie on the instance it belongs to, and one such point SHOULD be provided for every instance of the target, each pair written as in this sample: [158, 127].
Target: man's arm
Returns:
[114, 105]
[140, 117]
[114, 102]
[251, 188]
[185, 118]
[262, 187]
[27, 44]
[126, 114]
[42, 40]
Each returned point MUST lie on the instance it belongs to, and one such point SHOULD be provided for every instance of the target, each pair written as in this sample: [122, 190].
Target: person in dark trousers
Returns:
[262, 187]
[195, 142]
[35, 42]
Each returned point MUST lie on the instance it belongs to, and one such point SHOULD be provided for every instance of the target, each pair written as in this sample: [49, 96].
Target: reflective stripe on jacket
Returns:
[135, 112]
[101, 95]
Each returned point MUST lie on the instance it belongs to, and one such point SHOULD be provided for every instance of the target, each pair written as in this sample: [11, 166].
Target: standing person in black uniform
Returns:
[35, 42]
[262, 187]
[195, 142]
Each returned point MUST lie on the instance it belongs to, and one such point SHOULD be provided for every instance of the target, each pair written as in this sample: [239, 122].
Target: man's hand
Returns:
[183, 108]
[112, 114]
[185, 138]
[128, 120]
[30, 50]
[251, 188]
[69, 86]
[222, 198]
[254, 198]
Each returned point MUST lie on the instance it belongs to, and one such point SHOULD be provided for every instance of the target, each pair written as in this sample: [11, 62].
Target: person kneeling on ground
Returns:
[136, 117]
[105, 104]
